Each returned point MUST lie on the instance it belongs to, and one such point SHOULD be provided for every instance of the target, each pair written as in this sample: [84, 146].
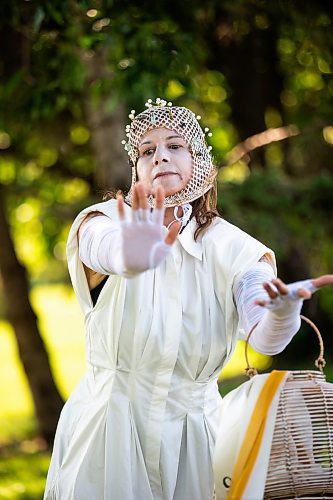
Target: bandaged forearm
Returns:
[125, 248]
[100, 246]
[276, 326]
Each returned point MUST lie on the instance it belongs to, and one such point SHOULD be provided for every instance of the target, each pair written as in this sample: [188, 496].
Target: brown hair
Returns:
[205, 210]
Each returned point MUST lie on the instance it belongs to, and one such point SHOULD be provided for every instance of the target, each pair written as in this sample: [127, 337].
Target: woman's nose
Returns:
[160, 156]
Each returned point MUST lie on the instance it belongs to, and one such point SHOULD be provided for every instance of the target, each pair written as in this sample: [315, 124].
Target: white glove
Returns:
[281, 322]
[143, 245]
[130, 246]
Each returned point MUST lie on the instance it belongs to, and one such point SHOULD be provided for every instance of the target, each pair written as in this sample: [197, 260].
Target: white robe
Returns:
[142, 422]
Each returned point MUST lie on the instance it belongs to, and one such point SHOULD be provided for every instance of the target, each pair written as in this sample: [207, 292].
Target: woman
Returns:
[166, 287]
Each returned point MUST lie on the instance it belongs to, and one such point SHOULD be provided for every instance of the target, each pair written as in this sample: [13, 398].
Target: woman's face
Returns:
[164, 160]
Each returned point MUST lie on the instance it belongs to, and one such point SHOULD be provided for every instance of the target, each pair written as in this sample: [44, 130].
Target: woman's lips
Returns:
[164, 174]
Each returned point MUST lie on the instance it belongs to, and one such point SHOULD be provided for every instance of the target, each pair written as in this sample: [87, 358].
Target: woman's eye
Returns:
[175, 146]
[147, 152]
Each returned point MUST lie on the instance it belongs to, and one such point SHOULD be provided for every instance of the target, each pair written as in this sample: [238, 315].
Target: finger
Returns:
[158, 216]
[326, 279]
[271, 292]
[159, 197]
[173, 233]
[135, 198]
[261, 303]
[268, 304]
[281, 286]
[303, 293]
[143, 214]
[121, 207]
[142, 196]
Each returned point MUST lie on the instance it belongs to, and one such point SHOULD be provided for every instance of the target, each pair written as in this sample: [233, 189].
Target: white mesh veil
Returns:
[185, 123]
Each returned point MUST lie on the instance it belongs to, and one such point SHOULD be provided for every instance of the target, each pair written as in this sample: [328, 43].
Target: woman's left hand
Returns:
[280, 294]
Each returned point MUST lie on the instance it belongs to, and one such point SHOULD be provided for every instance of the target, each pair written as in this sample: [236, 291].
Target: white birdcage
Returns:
[301, 456]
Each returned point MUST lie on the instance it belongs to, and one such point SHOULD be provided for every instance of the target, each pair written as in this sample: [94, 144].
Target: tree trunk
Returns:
[250, 64]
[107, 128]
[32, 352]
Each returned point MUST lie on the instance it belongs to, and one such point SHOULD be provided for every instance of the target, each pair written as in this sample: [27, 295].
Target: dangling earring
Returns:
[187, 212]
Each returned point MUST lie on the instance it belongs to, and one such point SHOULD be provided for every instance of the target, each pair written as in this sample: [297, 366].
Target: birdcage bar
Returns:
[301, 458]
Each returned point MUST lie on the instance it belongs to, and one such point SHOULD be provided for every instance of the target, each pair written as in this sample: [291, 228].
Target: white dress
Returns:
[142, 422]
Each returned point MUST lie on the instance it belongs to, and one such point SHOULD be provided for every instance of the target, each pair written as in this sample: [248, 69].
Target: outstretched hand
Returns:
[279, 293]
[143, 244]
[140, 204]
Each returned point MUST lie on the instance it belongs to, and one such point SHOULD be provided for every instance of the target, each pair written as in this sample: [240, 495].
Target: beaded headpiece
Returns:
[183, 121]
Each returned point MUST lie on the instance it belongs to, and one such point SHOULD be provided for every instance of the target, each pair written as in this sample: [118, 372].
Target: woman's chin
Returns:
[170, 187]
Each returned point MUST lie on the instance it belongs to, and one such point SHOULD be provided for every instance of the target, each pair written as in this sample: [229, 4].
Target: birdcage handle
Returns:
[319, 362]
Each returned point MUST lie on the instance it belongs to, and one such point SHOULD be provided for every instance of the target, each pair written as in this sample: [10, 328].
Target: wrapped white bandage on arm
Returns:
[277, 322]
[100, 245]
[124, 247]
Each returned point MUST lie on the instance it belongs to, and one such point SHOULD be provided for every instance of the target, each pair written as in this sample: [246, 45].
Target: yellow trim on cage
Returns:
[252, 440]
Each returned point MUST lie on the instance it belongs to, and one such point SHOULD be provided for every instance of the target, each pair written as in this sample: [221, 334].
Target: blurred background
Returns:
[259, 73]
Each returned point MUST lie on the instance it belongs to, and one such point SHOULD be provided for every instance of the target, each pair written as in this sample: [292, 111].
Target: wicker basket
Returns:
[301, 457]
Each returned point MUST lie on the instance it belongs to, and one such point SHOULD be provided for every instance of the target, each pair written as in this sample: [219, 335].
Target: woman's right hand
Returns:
[143, 243]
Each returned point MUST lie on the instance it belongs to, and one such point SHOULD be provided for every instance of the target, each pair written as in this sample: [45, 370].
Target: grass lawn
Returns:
[23, 471]
[23, 462]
